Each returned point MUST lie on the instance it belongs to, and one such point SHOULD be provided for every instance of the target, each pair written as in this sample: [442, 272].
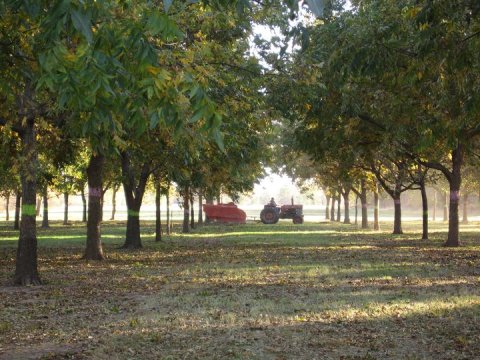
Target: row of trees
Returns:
[385, 95]
[158, 91]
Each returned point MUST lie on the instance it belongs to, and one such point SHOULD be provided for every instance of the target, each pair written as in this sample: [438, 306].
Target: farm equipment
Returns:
[271, 213]
[225, 213]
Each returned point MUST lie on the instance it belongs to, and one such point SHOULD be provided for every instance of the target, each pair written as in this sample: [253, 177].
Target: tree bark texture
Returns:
[346, 202]
[158, 214]
[26, 270]
[200, 208]
[169, 219]
[424, 211]
[397, 222]
[376, 209]
[453, 239]
[114, 201]
[94, 250]
[327, 208]
[363, 202]
[339, 212]
[65, 209]
[192, 211]
[186, 211]
[332, 209]
[45, 223]
[7, 205]
[84, 206]
[134, 192]
[356, 209]
[18, 205]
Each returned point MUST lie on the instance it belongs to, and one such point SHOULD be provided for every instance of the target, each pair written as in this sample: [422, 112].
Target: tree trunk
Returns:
[339, 203]
[465, 209]
[7, 204]
[397, 222]
[445, 206]
[65, 209]
[186, 211]
[158, 214]
[200, 209]
[363, 201]
[134, 192]
[38, 206]
[425, 211]
[93, 250]
[84, 206]
[192, 211]
[434, 212]
[18, 202]
[45, 223]
[332, 209]
[26, 270]
[7, 210]
[327, 208]
[376, 209]
[346, 202]
[455, 184]
[356, 209]
[114, 202]
[169, 218]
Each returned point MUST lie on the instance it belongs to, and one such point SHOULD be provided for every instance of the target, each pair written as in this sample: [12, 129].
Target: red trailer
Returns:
[225, 213]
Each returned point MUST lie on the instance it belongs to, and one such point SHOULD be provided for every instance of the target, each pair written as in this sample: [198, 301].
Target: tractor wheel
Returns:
[297, 219]
[269, 216]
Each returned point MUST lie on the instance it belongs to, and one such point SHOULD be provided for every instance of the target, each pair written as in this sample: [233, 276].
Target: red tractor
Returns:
[272, 213]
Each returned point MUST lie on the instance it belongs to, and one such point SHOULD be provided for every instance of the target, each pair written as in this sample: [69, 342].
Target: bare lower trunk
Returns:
[397, 222]
[45, 223]
[465, 209]
[158, 214]
[94, 250]
[134, 186]
[376, 209]
[39, 206]
[363, 201]
[434, 212]
[327, 209]
[332, 209]
[356, 209]
[445, 206]
[339, 202]
[65, 209]
[425, 211]
[346, 202]
[192, 211]
[18, 204]
[84, 206]
[132, 235]
[26, 269]
[186, 211]
[169, 218]
[7, 210]
[114, 202]
[453, 239]
[200, 210]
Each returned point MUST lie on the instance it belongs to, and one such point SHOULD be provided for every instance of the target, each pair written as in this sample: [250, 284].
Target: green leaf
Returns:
[316, 7]
[82, 23]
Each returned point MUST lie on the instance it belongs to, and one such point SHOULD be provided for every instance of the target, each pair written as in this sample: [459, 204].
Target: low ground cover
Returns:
[314, 291]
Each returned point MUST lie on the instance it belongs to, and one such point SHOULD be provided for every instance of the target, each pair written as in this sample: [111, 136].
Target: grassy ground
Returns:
[312, 291]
